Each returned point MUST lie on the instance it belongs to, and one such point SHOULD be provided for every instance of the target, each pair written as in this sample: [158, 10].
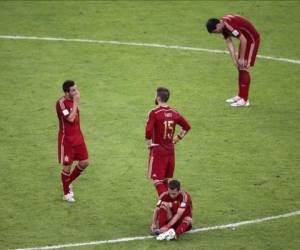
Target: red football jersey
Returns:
[69, 130]
[236, 25]
[161, 125]
[183, 200]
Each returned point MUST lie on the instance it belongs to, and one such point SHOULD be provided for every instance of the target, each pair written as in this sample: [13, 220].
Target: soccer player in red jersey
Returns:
[71, 145]
[238, 27]
[160, 129]
[173, 213]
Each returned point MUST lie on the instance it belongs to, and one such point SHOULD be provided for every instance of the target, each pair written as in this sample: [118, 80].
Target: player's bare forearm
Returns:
[180, 136]
[76, 98]
[177, 216]
[243, 42]
[72, 116]
[231, 50]
[154, 225]
[185, 127]
[154, 217]
[243, 45]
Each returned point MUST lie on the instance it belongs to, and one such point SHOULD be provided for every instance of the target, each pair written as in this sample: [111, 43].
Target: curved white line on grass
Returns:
[232, 225]
[247, 222]
[294, 61]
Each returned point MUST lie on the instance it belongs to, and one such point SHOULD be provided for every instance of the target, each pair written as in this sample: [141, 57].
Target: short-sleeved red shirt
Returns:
[183, 200]
[70, 130]
[236, 25]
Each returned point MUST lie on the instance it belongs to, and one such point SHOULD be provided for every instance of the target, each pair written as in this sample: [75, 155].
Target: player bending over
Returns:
[71, 145]
[238, 27]
[173, 213]
[160, 129]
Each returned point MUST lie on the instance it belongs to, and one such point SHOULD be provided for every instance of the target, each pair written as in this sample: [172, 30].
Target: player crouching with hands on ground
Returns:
[173, 213]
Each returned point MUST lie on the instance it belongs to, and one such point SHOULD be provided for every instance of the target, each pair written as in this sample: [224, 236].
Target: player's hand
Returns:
[236, 64]
[176, 139]
[163, 229]
[76, 96]
[242, 63]
[153, 227]
[236, 58]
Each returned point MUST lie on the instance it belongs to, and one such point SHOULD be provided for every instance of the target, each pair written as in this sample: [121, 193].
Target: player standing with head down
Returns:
[71, 145]
[238, 27]
[160, 129]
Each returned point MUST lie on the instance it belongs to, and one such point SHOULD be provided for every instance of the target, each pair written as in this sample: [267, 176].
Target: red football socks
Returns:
[75, 173]
[183, 227]
[244, 84]
[160, 188]
[65, 176]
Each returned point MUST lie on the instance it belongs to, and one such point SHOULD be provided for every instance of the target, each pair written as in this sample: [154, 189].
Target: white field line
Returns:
[154, 45]
[232, 225]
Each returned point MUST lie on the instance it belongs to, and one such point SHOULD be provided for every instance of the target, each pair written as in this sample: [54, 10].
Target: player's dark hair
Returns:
[67, 85]
[211, 24]
[174, 184]
[163, 93]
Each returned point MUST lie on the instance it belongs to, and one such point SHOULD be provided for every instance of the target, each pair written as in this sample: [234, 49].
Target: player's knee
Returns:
[188, 220]
[67, 168]
[84, 164]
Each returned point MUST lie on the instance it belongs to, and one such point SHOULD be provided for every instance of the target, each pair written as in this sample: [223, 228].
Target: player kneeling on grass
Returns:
[173, 213]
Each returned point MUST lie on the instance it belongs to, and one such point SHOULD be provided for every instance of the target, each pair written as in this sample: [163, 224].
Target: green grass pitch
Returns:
[237, 164]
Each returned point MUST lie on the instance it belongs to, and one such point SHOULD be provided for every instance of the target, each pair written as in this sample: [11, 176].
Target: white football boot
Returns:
[168, 235]
[71, 190]
[240, 103]
[68, 198]
[162, 236]
[171, 235]
[233, 99]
